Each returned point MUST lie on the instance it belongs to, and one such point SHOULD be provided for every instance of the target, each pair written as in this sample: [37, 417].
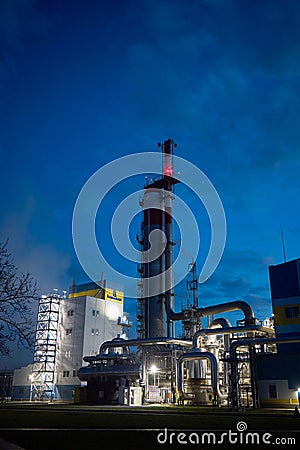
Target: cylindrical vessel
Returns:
[168, 173]
[157, 272]
[198, 368]
[168, 197]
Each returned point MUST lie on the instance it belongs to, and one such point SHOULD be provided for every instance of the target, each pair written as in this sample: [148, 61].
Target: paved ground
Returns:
[5, 445]
[36, 426]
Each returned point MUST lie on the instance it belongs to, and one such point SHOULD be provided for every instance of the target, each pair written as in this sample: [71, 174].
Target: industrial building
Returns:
[68, 328]
[6, 380]
[279, 373]
[223, 364]
[81, 342]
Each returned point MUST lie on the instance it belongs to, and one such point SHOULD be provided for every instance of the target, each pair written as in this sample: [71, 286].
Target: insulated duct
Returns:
[115, 343]
[230, 330]
[194, 355]
[215, 309]
[234, 400]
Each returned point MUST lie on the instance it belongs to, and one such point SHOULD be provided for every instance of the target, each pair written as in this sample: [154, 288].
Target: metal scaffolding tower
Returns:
[43, 381]
[193, 322]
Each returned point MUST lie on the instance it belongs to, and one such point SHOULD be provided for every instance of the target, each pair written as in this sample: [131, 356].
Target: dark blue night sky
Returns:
[86, 82]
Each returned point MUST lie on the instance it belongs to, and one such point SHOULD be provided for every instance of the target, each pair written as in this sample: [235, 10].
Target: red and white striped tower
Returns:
[157, 216]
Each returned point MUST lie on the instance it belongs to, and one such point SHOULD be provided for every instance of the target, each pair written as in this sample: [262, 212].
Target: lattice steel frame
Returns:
[43, 375]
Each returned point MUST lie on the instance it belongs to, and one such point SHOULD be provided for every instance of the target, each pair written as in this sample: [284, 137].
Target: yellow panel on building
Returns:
[114, 296]
[283, 315]
[90, 293]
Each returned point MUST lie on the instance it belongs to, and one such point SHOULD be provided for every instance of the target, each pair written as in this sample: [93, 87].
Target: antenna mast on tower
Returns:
[283, 246]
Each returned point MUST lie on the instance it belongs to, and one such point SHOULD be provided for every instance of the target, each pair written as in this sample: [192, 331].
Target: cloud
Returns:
[226, 72]
[242, 275]
[46, 263]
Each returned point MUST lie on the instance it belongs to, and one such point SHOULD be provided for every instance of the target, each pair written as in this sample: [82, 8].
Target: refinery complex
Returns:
[83, 354]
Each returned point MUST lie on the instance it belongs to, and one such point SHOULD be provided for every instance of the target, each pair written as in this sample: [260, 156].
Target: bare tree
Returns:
[17, 291]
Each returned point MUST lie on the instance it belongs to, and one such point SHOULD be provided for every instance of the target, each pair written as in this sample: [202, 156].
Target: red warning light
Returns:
[168, 170]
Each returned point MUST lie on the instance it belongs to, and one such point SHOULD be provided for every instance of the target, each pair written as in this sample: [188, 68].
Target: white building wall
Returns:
[22, 383]
[284, 394]
[70, 340]
[85, 323]
[101, 324]
[22, 376]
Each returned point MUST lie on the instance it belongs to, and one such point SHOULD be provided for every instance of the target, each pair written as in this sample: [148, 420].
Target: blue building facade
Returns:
[279, 373]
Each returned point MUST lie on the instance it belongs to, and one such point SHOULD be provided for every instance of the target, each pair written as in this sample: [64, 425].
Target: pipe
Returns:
[120, 342]
[117, 340]
[225, 324]
[253, 377]
[194, 355]
[142, 342]
[230, 330]
[168, 182]
[222, 322]
[169, 282]
[259, 341]
[215, 309]
[84, 373]
[235, 403]
[227, 330]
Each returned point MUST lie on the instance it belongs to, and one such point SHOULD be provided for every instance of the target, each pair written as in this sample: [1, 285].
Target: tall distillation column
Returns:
[157, 239]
